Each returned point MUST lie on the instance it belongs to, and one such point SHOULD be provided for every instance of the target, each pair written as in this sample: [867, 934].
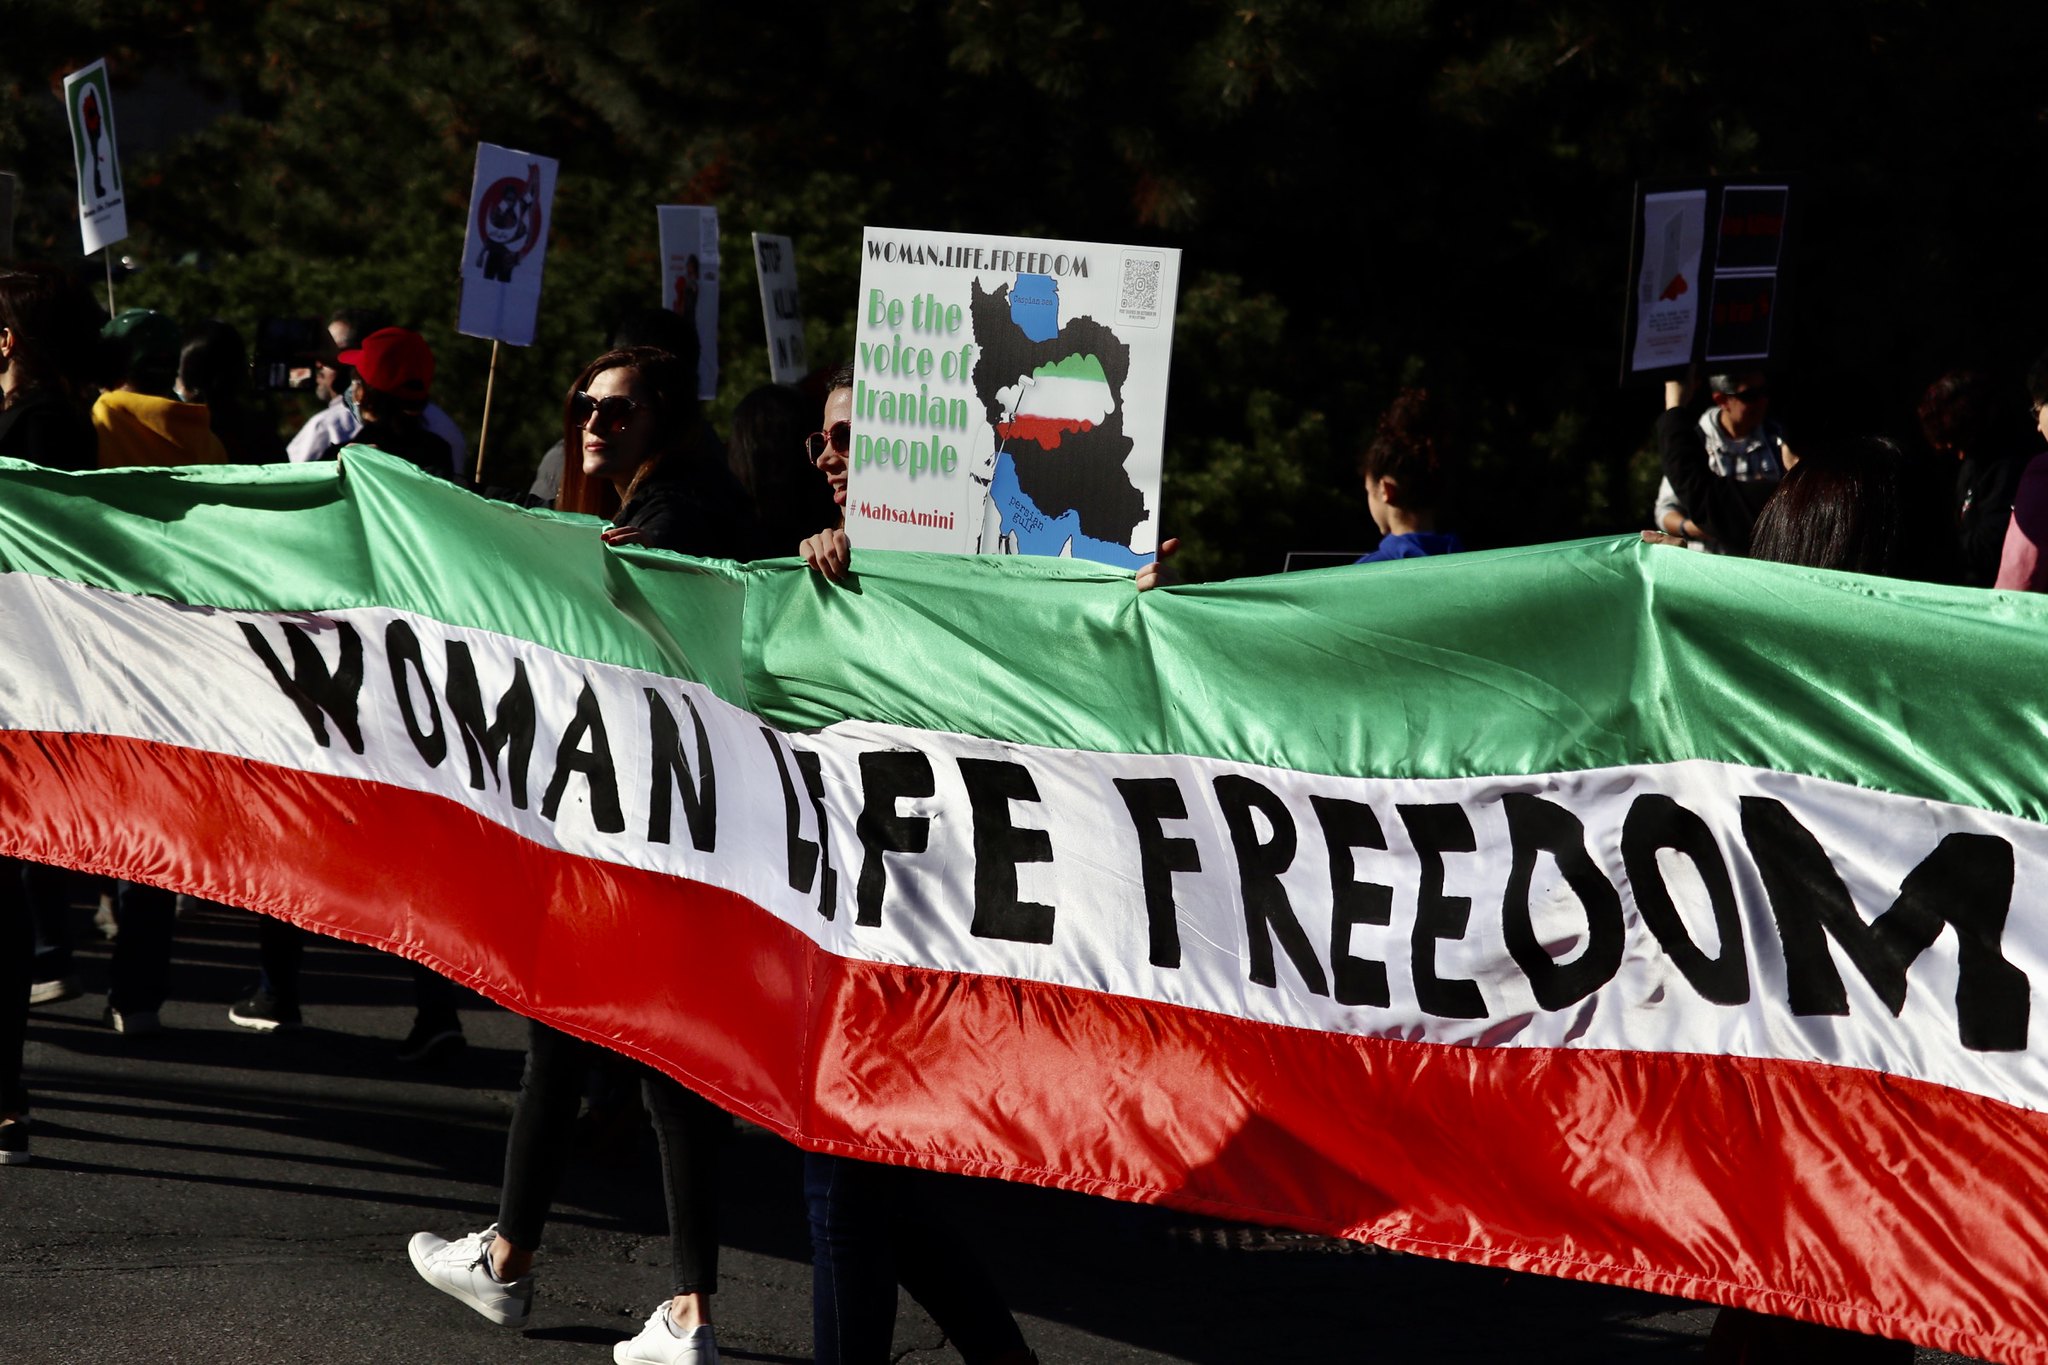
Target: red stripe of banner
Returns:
[1836, 1195]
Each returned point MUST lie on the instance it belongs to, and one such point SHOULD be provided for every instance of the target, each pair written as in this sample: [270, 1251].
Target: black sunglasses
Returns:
[613, 411]
[839, 438]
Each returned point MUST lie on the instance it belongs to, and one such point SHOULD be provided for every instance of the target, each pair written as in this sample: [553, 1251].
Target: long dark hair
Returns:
[669, 388]
[765, 453]
[213, 365]
[1838, 509]
[55, 326]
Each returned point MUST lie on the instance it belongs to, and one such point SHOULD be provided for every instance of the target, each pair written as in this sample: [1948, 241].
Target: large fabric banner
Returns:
[1598, 910]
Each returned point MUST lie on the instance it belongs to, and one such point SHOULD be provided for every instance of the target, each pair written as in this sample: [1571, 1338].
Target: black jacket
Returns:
[692, 504]
[407, 440]
[45, 428]
[1985, 489]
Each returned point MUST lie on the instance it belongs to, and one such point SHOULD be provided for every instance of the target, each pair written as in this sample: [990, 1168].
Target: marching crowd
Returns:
[79, 391]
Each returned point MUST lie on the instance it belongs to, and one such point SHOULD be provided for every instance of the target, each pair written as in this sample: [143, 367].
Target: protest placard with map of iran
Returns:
[1010, 395]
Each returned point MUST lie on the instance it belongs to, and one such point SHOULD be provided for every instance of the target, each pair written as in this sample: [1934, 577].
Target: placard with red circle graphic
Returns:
[511, 200]
[508, 218]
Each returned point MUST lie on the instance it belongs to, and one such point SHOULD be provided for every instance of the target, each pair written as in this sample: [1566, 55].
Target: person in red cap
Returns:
[394, 370]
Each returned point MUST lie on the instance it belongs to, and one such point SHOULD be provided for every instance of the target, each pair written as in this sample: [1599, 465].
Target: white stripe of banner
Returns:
[1684, 907]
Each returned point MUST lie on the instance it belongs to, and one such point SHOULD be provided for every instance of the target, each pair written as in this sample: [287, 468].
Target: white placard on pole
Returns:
[781, 314]
[689, 280]
[511, 205]
[102, 205]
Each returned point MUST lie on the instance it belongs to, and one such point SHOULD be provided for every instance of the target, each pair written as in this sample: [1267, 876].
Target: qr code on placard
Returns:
[1138, 292]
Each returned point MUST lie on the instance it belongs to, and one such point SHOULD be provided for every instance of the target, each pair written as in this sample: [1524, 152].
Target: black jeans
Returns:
[49, 902]
[689, 1128]
[17, 959]
[280, 948]
[141, 967]
[872, 1228]
[434, 1000]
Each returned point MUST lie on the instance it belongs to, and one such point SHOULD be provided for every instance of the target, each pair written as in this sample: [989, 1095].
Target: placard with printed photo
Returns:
[689, 281]
[102, 204]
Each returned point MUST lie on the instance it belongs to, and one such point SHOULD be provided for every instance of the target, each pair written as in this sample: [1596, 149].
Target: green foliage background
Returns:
[1367, 194]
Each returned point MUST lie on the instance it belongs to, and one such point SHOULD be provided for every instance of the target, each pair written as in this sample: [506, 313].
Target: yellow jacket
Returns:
[136, 428]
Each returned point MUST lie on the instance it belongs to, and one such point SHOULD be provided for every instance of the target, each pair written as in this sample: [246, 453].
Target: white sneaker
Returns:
[659, 1343]
[56, 989]
[134, 1023]
[462, 1268]
[14, 1141]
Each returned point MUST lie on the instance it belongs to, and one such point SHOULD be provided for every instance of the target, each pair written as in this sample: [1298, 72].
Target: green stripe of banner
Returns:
[1551, 659]
[374, 532]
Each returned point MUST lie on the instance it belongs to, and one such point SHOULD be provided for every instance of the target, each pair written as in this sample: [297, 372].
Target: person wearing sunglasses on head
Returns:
[636, 451]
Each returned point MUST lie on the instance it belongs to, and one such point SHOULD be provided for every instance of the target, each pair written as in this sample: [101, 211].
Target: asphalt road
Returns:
[214, 1194]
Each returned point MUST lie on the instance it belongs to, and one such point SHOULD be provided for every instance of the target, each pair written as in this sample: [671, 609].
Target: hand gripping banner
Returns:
[1598, 910]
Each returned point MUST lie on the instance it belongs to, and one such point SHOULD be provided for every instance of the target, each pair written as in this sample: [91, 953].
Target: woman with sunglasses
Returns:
[790, 501]
[876, 1227]
[829, 551]
[634, 451]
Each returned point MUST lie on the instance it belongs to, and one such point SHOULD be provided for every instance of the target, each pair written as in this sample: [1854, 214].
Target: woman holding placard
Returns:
[875, 1227]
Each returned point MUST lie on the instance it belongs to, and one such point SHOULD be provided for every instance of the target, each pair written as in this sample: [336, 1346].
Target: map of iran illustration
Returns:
[1052, 393]
[1009, 396]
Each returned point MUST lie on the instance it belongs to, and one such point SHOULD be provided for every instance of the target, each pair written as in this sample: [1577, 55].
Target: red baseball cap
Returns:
[394, 360]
